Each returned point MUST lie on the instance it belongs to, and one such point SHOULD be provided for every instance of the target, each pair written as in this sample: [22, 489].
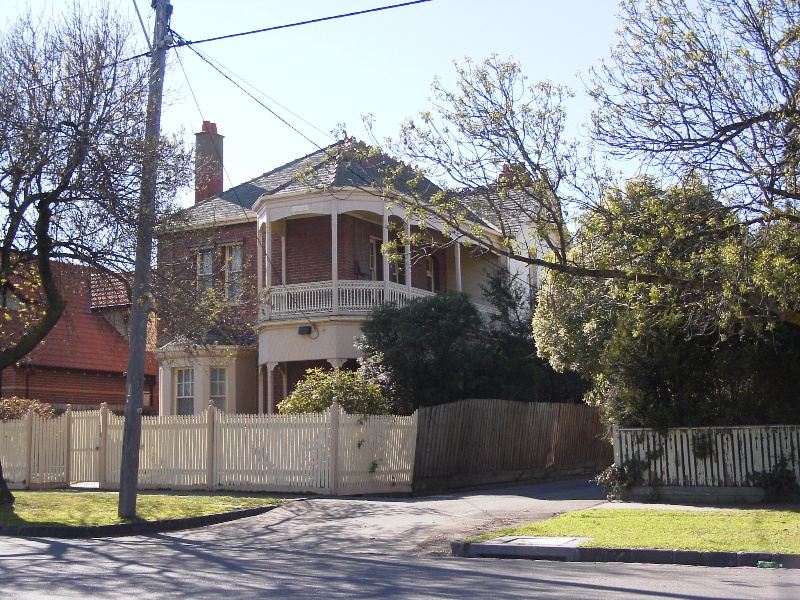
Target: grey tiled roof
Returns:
[325, 168]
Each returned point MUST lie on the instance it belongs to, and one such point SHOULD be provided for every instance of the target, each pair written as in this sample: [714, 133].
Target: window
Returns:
[375, 260]
[185, 391]
[397, 272]
[430, 274]
[205, 272]
[219, 387]
[233, 273]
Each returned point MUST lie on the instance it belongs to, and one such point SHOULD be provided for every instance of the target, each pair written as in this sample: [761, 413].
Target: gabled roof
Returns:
[328, 167]
[82, 340]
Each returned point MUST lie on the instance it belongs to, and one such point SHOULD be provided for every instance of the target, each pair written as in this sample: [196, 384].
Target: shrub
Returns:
[317, 391]
[16, 408]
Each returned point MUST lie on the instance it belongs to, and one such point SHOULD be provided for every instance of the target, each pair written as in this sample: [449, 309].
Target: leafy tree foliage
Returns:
[438, 350]
[16, 408]
[317, 391]
[72, 115]
[652, 355]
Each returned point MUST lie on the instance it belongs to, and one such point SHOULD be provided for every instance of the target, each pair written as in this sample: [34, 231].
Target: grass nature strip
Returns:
[100, 508]
[749, 530]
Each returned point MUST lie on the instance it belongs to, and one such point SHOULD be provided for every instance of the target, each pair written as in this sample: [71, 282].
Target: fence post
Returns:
[211, 412]
[615, 439]
[29, 449]
[102, 450]
[68, 443]
[334, 462]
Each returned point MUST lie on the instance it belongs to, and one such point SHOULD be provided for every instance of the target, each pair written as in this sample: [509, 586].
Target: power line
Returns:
[320, 20]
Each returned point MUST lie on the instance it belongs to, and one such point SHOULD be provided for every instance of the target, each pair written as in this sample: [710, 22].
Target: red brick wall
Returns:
[60, 387]
[354, 244]
[308, 250]
[177, 255]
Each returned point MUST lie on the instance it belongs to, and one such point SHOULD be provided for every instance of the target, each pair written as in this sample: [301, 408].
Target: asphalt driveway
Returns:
[423, 525]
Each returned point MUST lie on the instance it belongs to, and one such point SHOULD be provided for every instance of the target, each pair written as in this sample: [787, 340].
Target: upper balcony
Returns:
[352, 298]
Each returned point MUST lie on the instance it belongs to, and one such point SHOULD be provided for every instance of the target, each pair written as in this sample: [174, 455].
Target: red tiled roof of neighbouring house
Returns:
[82, 339]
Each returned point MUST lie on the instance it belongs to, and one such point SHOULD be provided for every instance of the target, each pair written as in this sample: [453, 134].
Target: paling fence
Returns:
[486, 441]
[714, 457]
[331, 452]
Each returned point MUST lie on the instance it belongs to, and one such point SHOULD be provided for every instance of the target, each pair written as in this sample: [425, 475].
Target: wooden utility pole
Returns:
[140, 309]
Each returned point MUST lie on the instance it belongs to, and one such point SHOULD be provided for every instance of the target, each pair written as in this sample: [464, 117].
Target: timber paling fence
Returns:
[721, 457]
[471, 442]
[329, 453]
[475, 442]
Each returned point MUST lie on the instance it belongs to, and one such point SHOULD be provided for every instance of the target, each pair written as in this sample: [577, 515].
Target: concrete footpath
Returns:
[569, 549]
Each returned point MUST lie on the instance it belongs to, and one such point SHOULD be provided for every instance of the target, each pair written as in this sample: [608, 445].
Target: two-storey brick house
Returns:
[306, 239]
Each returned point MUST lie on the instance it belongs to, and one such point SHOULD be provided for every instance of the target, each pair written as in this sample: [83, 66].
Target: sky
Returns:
[320, 75]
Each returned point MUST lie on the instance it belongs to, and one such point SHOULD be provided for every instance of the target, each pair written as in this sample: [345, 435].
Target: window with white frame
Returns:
[233, 273]
[205, 269]
[430, 274]
[219, 387]
[184, 393]
[375, 260]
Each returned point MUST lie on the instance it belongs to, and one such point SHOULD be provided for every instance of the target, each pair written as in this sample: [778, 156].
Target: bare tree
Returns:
[72, 114]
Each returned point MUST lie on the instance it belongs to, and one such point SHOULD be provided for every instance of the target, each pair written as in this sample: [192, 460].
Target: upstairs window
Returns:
[233, 274]
[205, 269]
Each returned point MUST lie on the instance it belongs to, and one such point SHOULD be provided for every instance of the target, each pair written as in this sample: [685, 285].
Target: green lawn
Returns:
[100, 508]
[754, 530]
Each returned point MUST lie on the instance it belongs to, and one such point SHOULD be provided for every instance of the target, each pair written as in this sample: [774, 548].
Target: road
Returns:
[360, 548]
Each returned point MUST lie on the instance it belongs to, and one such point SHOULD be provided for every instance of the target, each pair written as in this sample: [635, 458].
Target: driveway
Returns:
[423, 525]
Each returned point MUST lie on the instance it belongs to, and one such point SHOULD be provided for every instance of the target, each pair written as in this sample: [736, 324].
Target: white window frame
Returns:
[234, 270]
[219, 387]
[184, 391]
[205, 269]
[375, 259]
[430, 274]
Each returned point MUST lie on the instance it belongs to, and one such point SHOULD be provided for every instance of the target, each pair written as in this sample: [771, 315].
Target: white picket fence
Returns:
[330, 452]
[715, 457]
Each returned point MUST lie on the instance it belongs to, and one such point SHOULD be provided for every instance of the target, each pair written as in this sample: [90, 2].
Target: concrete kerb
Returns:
[569, 550]
[127, 529]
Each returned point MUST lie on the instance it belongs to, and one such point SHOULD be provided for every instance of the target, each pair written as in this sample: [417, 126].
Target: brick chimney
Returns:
[207, 162]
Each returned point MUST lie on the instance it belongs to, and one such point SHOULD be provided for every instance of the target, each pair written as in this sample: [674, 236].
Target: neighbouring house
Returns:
[83, 361]
[297, 254]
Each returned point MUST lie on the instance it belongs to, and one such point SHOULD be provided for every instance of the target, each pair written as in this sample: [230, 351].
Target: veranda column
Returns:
[458, 265]
[270, 387]
[407, 258]
[337, 363]
[384, 260]
[261, 389]
[268, 263]
[335, 255]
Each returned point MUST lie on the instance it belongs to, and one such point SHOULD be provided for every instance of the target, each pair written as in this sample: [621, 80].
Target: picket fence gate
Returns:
[708, 456]
[329, 453]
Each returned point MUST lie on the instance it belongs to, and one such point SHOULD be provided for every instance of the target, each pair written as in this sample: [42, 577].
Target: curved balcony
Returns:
[355, 298]
[317, 298]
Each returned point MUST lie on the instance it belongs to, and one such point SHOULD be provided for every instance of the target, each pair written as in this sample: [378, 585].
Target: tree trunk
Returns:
[6, 497]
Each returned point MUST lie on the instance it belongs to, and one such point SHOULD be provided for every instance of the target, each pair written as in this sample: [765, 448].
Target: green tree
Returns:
[438, 349]
[652, 354]
[432, 348]
[354, 393]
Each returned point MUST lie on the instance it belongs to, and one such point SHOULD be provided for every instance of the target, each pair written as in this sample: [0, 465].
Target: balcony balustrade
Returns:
[316, 298]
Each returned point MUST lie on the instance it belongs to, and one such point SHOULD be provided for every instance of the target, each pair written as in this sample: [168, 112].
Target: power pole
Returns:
[140, 309]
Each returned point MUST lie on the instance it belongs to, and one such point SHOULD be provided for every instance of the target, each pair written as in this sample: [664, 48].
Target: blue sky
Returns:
[333, 72]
